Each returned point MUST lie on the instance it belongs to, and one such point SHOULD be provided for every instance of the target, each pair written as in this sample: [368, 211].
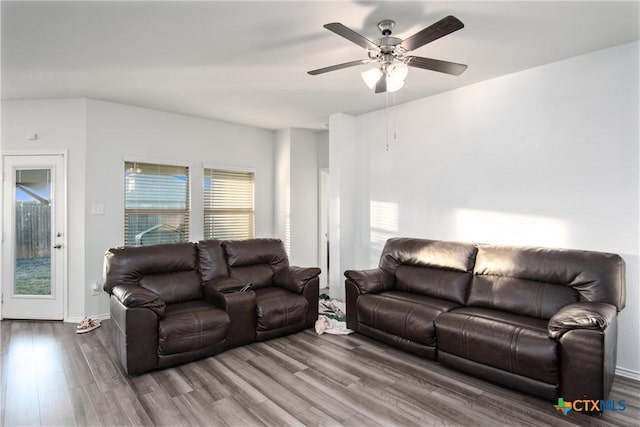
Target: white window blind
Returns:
[228, 204]
[156, 204]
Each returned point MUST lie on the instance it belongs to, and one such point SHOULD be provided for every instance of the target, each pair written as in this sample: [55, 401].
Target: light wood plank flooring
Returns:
[52, 377]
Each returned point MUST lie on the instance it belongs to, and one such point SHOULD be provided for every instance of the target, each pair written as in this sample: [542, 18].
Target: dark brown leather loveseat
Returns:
[542, 321]
[174, 303]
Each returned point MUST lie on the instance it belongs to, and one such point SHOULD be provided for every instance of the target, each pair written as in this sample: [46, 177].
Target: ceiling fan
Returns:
[390, 53]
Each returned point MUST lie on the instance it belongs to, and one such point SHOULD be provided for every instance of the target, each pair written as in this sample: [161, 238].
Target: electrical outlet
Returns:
[95, 289]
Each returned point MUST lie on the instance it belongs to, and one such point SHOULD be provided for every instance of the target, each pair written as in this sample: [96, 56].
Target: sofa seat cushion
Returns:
[191, 326]
[403, 314]
[277, 308]
[511, 342]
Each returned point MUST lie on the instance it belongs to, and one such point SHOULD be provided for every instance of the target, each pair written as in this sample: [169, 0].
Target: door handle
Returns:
[57, 246]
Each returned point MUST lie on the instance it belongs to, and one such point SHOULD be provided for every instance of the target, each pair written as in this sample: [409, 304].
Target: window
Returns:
[228, 204]
[156, 204]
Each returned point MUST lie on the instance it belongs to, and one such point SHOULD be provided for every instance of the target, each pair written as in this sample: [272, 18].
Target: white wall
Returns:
[304, 198]
[323, 149]
[282, 187]
[61, 126]
[116, 133]
[346, 181]
[544, 157]
[296, 194]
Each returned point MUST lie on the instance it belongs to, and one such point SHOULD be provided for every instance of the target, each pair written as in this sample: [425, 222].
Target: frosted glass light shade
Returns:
[394, 84]
[399, 71]
[396, 74]
[371, 77]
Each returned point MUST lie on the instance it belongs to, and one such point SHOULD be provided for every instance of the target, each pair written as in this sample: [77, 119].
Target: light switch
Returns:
[97, 209]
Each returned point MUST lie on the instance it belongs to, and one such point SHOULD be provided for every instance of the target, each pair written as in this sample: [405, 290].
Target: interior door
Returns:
[33, 237]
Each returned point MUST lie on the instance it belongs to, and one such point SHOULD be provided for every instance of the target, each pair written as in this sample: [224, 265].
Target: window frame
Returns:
[186, 212]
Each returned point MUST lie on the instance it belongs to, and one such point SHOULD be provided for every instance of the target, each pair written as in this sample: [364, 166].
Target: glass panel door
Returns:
[34, 244]
[33, 232]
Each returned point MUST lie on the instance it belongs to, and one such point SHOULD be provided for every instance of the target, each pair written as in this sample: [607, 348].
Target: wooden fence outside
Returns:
[33, 230]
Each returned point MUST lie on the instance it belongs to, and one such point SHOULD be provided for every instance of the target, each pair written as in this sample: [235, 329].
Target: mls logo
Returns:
[589, 405]
[563, 406]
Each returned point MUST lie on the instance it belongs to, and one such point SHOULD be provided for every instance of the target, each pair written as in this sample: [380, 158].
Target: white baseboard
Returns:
[628, 373]
[96, 317]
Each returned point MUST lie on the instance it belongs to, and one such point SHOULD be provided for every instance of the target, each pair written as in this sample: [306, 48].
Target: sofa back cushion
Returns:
[527, 297]
[169, 270]
[430, 267]
[211, 262]
[537, 282]
[179, 286]
[433, 282]
[256, 260]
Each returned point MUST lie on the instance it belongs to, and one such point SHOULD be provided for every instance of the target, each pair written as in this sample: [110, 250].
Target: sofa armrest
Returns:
[351, 292]
[295, 278]
[581, 315]
[133, 296]
[587, 336]
[374, 280]
[135, 336]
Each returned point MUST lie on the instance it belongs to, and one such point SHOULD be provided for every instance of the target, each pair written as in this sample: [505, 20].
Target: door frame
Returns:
[64, 220]
[323, 226]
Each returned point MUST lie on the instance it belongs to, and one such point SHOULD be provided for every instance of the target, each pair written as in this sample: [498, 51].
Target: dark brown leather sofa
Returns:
[174, 303]
[541, 321]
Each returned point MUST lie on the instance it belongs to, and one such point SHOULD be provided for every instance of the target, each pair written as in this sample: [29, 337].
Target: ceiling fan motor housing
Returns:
[386, 26]
[389, 49]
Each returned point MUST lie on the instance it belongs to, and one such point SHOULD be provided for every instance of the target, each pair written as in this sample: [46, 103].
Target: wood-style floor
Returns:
[54, 377]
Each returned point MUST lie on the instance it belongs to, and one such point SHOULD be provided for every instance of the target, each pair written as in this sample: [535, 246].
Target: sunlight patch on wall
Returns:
[510, 229]
[383, 224]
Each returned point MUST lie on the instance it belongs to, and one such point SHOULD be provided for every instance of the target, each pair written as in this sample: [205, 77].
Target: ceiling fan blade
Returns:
[351, 35]
[436, 65]
[381, 85]
[338, 66]
[433, 32]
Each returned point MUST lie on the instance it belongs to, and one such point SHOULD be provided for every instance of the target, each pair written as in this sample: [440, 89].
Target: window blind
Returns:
[156, 204]
[228, 204]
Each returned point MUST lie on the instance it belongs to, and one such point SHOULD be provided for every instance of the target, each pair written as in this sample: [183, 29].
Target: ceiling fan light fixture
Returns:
[371, 77]
[390, 53]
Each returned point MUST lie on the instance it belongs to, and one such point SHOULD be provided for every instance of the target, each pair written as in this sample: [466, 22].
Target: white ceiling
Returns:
[246, 61]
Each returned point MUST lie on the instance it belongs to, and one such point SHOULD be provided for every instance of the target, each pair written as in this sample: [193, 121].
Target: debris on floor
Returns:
[87, 325]
[331, 317]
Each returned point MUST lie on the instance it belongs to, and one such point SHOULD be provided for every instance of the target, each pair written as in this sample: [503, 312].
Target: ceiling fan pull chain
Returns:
[386, 134]
[395, 135]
